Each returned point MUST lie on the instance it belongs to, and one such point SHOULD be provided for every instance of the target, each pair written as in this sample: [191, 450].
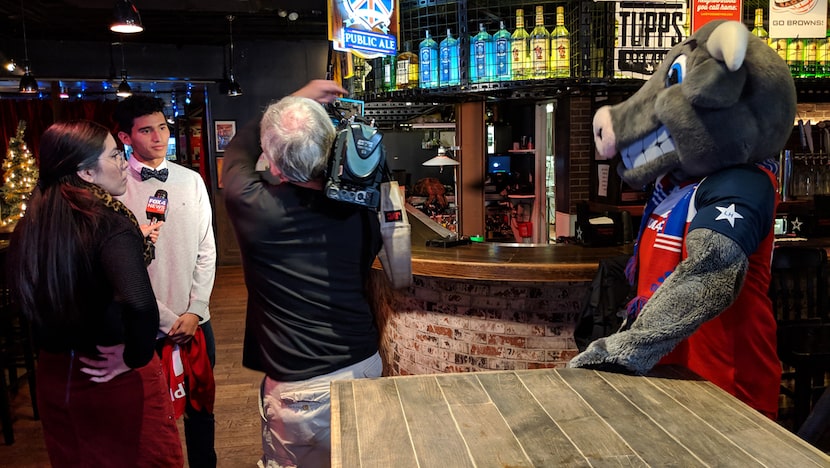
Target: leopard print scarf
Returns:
[118, 207]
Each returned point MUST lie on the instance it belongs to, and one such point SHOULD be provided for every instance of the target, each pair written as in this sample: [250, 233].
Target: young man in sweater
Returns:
[184, 268]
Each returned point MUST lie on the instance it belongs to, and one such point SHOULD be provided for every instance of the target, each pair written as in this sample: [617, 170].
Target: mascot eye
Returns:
[676, 71]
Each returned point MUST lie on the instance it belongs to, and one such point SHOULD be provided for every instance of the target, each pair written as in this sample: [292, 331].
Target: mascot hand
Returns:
[622, 352]
[597, 357]
[702, 286]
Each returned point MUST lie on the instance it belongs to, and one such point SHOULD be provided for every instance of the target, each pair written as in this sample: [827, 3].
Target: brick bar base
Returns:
[444, 325]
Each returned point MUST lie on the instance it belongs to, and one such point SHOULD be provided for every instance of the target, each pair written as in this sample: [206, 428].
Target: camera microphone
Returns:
[157, 206]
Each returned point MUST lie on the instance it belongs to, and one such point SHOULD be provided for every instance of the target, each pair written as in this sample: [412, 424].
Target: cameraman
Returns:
[306, 260]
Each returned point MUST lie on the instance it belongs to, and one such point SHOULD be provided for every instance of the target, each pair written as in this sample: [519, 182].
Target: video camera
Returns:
[357, 162]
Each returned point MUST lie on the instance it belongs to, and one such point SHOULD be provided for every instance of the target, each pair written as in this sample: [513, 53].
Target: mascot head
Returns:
[721, 97]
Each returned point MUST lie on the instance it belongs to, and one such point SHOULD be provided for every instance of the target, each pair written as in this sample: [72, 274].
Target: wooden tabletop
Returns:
[553, 417]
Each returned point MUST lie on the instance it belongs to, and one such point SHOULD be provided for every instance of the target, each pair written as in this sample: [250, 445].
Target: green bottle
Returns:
[759, 31]
[560, 45]
[795, 56]
[823, 57]
[387, 73]
[810, 67]
[540, 46]
[519, 58]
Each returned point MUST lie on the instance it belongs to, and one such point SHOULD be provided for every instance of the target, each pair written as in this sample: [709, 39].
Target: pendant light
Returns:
[124, 89]
[233, 87]
[441, 160]
[126, 18]
[28, 83]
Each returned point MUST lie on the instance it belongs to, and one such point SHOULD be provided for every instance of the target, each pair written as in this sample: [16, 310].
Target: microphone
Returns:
[157, 206]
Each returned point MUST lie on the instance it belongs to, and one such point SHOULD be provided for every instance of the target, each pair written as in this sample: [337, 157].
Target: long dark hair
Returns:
[49, 250]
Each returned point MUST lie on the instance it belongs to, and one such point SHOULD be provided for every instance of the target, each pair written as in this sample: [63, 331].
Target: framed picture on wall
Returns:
[224, 130]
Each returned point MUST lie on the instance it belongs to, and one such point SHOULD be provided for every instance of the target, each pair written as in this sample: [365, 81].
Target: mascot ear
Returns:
[728, 43]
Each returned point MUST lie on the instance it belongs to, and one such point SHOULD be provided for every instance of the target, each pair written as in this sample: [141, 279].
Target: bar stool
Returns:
[16, 352]
[798, 290]
[818, 421]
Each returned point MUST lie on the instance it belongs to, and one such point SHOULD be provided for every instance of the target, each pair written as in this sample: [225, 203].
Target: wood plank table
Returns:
[554, 417]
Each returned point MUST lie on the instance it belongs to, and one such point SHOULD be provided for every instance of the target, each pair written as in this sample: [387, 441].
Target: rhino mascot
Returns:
[706, 129]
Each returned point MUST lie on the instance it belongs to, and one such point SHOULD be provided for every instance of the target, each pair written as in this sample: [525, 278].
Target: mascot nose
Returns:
[604, 138]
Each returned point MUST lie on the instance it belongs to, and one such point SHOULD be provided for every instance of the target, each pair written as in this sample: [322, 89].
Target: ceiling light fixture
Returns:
[124, 89]
[441, 160]
[293, 16]
[126, 18]
[10, 66]
[28, 83]
[233, 87]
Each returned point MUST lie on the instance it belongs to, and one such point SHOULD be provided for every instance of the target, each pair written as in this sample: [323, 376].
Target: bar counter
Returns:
[512, 262]
[502, 261]
[487, 306]
[484, 306]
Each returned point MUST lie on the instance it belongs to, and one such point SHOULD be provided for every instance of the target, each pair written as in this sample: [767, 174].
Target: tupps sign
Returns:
[645, 31]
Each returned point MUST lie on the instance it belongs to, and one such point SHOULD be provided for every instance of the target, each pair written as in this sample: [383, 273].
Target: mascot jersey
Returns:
[737, 349]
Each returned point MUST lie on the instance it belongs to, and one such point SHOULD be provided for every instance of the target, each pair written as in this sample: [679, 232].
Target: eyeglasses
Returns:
[118, 156]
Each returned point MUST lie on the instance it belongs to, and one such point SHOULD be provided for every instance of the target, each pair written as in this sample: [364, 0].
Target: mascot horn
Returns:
[706, 130]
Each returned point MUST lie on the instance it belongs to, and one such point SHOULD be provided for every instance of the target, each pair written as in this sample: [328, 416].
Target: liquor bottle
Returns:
[370, 85]
[823, 57]
[406, 69]
[687, 24]
[428, 63]
[358, 82]
[539, 46]
[780, 47]
[448, 50]
[387, 80]
[519, 59]
[501, 42]
[482, 57]
[759, 31]
[560, 45]
[795, 56]
[615, 65]
[810, 66]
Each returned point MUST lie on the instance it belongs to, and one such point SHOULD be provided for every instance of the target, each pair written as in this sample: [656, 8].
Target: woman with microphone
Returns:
[78, 271]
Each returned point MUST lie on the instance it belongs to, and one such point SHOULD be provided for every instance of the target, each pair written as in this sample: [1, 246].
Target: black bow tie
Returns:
[147, 173]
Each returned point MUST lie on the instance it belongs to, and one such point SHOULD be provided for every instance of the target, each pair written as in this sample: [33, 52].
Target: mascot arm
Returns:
[702, 286]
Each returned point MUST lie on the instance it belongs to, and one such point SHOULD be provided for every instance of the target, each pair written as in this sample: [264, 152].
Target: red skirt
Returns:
[127, 421]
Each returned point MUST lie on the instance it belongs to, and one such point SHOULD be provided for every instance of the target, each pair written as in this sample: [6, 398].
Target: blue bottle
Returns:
[428, 57]
[448, 52]
[482, 57]
[501, 41]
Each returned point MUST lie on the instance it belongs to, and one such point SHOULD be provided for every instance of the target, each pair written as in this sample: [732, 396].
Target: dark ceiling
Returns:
[165, 21]
[169, 22]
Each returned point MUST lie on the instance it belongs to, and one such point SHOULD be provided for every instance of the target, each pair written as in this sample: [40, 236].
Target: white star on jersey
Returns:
[729, 214]
[796, 225]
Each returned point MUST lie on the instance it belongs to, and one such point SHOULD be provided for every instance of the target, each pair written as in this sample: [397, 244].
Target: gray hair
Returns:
[296, 135]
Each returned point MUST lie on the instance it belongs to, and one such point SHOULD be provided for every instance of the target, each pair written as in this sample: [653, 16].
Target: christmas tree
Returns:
[20, 176]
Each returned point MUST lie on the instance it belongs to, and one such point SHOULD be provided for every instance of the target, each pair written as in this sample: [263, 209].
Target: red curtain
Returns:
[37, 114]
[40, 114]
